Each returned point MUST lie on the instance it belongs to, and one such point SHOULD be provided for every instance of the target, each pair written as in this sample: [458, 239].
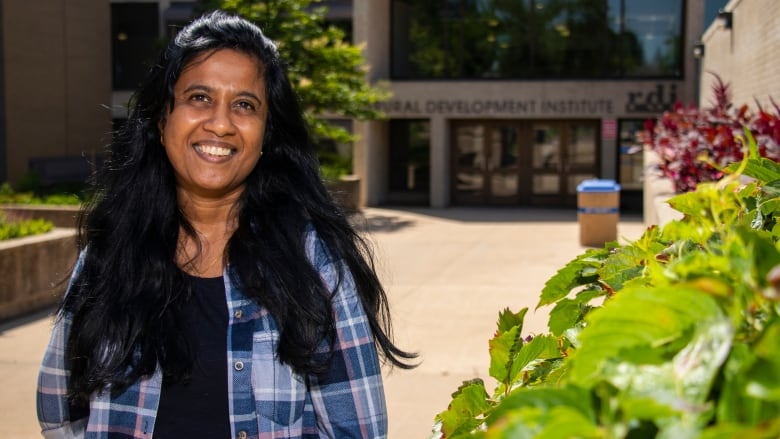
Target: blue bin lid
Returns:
[597, 185]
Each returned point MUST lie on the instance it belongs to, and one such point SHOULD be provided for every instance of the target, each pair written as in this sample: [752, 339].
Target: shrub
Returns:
[20, 229]
[9, 196]
[695, 145]
[672, 336]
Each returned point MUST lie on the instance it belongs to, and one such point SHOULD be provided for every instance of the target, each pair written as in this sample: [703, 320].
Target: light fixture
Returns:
[726, 18]
[698, 50]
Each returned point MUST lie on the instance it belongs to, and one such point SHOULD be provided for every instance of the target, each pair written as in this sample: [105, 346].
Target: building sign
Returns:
[658, 100]
[608, 129]
[505, 106]
[653, 100]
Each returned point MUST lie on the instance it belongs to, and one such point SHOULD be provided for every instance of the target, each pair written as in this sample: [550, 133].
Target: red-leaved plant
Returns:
[695, 145]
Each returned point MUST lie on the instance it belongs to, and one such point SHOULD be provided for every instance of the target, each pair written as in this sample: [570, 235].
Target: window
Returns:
[409, 164]
[134, 42]
[536, 38]
[649, 35]
[630, 159]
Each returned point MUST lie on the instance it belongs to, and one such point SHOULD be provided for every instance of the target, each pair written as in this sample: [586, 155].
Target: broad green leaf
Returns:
[639, 318]
[534, 423]
[541, 347]
[762, 169]
[760, 250]
[645, 408]
[564, 315]
[763, 380]
[579, 271]
[575, 398]
[502, 351]
[466, 410]
[688, 203]
[508, 320]
[772, 188]
[768, 430]
[568, 312]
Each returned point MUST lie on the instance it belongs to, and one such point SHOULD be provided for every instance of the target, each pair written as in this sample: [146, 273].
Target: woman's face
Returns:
[213, 135]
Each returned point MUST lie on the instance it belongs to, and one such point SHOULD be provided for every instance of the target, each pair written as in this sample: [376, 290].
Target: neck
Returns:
[214, 221]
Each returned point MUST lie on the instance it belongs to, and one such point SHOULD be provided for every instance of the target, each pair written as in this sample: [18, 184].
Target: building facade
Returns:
[741, 47]
[494, 102]
[515, 103]
[55, 84]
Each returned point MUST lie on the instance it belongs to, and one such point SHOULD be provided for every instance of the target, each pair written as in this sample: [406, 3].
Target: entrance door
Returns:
[486, 163]
[533, 163]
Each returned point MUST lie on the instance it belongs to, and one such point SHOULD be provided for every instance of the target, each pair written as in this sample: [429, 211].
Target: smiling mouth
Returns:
[215, 151]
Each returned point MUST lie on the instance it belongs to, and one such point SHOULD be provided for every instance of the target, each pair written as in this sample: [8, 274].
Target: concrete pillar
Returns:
[440, 163]
[372, 32]
[370, 161]
[609, 157]
[693, 29]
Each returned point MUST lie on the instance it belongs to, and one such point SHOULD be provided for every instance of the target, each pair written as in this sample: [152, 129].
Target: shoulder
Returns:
[317, 250]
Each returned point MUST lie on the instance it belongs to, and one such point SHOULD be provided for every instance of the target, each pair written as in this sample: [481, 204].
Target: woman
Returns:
[219, 292]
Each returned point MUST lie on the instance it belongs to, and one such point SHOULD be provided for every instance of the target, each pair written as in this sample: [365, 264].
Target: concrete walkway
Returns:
[448, 273]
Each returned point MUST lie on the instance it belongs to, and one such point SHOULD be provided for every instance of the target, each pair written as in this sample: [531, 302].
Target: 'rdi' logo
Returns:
[653, 102]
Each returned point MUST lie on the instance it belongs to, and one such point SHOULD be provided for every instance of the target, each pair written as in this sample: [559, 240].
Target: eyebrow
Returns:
[206, 88]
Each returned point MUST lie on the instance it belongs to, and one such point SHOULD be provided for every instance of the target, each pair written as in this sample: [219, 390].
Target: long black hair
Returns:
[126, 298]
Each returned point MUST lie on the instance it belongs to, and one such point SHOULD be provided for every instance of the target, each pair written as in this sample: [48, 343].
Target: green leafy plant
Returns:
[326, 70]
[674, 335]
[9, 196]
[20, 229]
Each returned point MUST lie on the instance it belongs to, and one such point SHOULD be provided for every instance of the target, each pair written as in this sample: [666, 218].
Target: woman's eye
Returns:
[246, 105]
[199, 98]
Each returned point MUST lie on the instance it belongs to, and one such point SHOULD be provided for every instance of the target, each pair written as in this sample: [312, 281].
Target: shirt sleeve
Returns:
[52, 398]
[349, 400]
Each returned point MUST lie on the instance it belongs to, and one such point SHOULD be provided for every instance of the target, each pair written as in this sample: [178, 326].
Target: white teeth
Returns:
[213, 150]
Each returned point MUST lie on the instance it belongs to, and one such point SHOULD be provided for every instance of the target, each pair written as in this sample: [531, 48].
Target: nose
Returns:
[220, 121]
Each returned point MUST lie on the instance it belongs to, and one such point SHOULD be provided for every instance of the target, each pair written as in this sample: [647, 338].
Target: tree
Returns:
[327, 72]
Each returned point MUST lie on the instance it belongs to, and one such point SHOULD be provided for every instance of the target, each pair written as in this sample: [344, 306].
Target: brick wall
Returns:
[745, 56]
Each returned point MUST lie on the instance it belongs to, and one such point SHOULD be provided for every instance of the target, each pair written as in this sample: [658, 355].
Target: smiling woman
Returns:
[220, 291]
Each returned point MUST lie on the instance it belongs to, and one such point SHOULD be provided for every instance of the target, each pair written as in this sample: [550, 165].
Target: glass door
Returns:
[515, 162]
[486, 163]
[563, 154]
[469, 163]
[581, 156]
[546, 163]
[503, 154]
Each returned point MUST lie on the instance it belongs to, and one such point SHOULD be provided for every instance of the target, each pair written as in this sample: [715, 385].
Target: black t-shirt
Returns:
[198, 408]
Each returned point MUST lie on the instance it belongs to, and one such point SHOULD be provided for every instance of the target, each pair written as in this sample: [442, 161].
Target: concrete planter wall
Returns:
[657, 191]
[346, 192]
[61, 216]
[35, 271]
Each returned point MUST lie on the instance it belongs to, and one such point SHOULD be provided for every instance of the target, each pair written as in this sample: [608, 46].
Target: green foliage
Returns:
[674, 335]
[19, 229]
[9, 196]
[327, 72]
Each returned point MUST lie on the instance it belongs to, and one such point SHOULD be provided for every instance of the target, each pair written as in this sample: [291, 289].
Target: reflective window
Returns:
[536, 38]
[631, 160]
[135, 39]
[409, 156]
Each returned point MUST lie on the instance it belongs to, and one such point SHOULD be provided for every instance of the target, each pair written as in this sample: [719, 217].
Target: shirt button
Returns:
[238, 314]
[239, 366]
[241, 434]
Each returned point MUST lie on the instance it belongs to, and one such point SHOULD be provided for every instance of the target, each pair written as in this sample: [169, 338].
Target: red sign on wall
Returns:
[608, 129]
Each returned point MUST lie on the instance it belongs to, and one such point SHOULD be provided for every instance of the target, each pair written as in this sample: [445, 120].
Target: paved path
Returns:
[448, 273]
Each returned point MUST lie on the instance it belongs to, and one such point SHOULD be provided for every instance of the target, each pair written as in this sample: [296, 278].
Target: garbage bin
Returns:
[598, 208]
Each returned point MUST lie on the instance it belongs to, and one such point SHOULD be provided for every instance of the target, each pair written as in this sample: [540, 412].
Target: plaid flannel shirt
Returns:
[267, 399]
